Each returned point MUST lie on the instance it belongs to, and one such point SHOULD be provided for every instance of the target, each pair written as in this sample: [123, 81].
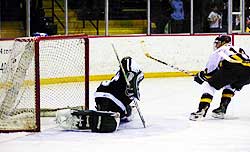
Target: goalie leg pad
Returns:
[104, 122]
[84, 118]
[74, 119]
[96, 121]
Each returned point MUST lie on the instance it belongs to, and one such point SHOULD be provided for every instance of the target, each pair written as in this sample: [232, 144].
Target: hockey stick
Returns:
[190, 73]
[143, 45]
[170, 65]
[126, 79]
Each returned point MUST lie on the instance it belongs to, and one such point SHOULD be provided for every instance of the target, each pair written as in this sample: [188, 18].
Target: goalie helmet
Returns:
[130, 65]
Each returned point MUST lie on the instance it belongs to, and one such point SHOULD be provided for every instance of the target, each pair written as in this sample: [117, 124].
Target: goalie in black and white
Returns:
[113, 102]
[228, 68]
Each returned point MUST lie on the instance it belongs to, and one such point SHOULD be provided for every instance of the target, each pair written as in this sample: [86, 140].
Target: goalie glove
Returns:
[200, 77]
[129, 91]
[132, 91]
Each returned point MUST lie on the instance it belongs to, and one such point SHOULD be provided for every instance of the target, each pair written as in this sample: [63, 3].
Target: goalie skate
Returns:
[131, 113]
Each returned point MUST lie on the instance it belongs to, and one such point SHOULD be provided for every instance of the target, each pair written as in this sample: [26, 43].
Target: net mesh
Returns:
[61, 71]
[19, 71]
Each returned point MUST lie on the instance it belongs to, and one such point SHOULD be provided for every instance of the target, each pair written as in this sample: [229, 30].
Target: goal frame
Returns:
[37, 40]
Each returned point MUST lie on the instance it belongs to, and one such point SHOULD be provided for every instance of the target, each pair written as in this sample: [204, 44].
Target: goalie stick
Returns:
[126, 79]
[170, 65]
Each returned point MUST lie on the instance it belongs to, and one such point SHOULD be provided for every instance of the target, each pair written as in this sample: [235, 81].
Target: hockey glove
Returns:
[237, 87]
[200, 77]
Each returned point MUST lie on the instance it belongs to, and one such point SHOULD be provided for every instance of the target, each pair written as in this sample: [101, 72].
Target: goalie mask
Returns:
[130, 65]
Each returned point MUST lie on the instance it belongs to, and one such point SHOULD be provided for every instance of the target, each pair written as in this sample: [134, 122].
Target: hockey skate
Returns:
[218, 113]
[201, 113]
[197, 115]
[221, 111]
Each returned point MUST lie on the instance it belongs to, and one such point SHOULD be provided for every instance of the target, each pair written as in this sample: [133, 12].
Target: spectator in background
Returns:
[177, 16]
[224, 15]
[35, 16]
[23, 13]
[215, 20]
[160, 15]
[248, 24]
[236, 22]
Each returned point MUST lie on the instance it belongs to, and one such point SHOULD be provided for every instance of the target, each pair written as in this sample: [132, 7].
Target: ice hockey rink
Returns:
[165, 104]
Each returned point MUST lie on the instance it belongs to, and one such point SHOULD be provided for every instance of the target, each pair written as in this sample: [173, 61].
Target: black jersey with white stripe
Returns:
[116, 87]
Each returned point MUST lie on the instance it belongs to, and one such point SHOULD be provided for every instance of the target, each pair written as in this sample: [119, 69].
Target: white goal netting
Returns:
[42, 75]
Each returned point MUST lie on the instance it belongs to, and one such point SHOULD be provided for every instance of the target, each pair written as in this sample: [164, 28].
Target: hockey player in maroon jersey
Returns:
[228, 67]
[113, 99]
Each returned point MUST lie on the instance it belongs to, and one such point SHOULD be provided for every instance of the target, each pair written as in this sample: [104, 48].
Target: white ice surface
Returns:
[165, 104]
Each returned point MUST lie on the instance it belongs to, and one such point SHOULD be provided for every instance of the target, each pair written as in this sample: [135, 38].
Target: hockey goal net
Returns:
[43, 74]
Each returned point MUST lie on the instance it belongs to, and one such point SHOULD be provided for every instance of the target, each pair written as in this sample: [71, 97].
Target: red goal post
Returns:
[43, 74]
